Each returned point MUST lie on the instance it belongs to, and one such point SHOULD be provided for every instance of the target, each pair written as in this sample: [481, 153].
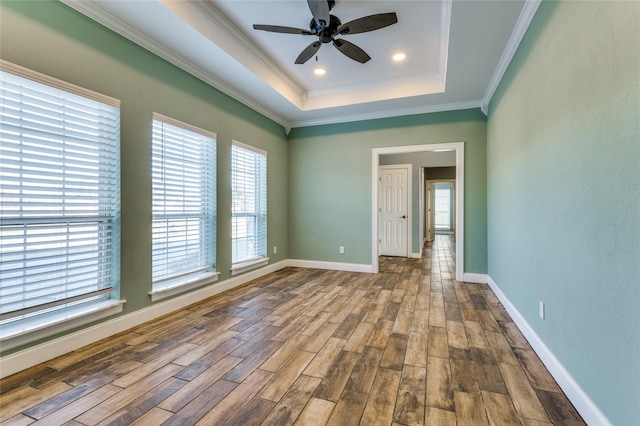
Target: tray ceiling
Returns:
[456, 53]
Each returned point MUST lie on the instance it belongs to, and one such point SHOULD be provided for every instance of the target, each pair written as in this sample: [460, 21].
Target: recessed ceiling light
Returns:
[319, 71]
[399, 57]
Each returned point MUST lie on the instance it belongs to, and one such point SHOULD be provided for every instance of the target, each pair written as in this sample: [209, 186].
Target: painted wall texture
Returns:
[330, 182]
[564, 193]
[51, 38]
[552, 181]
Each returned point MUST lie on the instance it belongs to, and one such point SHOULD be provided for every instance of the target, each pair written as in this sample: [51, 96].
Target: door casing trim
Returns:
[458, 147]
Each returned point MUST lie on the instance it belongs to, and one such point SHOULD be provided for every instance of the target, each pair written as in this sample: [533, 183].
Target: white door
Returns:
[393, 210]
[431, 211]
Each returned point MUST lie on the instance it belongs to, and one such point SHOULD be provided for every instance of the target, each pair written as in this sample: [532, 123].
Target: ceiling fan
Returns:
[328, 27]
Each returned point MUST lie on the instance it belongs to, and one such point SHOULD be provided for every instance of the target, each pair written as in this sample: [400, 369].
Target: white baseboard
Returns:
[475, 278]
[34, 355]
[335, 266]
[416, 255]
[578, 397]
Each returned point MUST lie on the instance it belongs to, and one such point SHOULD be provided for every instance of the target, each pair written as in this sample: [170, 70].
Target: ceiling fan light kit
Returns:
[328, 28]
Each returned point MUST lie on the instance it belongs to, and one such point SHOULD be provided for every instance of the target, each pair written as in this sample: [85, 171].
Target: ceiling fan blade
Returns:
[308, 52]
[319, 10]
[368, 23]
[351, 50]
[280, 29]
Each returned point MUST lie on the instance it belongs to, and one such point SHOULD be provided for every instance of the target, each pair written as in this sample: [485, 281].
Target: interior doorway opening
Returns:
[458, 193]
[440, 206]
[444, 207]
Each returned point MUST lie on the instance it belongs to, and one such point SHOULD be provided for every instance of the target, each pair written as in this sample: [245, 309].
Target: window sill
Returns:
[242, 267]
[38, 327]
[172, 287]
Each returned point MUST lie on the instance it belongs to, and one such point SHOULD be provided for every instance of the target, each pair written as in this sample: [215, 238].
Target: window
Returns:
[184, 204]
[249, 206]
[59, 199]
[444, 206]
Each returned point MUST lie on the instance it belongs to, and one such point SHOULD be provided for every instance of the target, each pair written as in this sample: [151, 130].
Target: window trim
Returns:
[248, 265]
[48, 324]
[167, 287]
[249, 147]
[58, 84]
[56, 322]
[183, 125]
[259, 261]
[45, 306]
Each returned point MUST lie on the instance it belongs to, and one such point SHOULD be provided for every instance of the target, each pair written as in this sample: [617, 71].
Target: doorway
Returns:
[440, 208]
[458, 147]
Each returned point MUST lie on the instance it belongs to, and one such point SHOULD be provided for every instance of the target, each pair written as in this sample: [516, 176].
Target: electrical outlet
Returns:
[275, 249]
[541, 310]
[341, 250]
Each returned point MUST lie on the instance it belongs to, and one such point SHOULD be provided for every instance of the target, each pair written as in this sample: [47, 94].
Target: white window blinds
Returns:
[184, 199]
[249, 203]
[60, 195]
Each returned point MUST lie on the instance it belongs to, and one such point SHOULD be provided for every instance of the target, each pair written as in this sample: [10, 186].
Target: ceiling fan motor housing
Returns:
[325, 33]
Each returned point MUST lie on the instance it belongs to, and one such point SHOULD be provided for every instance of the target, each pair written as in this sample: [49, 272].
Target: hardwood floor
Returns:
[407, 346]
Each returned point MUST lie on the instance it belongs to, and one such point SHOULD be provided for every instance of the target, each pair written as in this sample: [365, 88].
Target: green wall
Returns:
[552, 188]
[53, 39]
[564, 193]
[330, 182]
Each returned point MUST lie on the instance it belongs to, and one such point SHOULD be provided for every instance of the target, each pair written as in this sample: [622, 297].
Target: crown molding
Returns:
[219, 20]
[94, 12]
[388, 114]
[372, 91]
[211, 13]
[445, 25]
[528, 11]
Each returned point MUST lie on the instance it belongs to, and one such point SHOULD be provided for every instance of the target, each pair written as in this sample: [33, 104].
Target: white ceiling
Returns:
[457, 51]
[344, 84]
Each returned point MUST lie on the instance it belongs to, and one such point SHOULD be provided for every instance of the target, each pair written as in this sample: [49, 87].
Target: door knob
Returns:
[404, 216]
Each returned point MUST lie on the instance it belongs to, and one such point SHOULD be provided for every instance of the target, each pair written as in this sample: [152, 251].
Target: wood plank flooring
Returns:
[407, 346]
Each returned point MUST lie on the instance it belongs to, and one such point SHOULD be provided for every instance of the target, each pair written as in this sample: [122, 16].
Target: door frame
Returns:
[409, 199]
[458, 147]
